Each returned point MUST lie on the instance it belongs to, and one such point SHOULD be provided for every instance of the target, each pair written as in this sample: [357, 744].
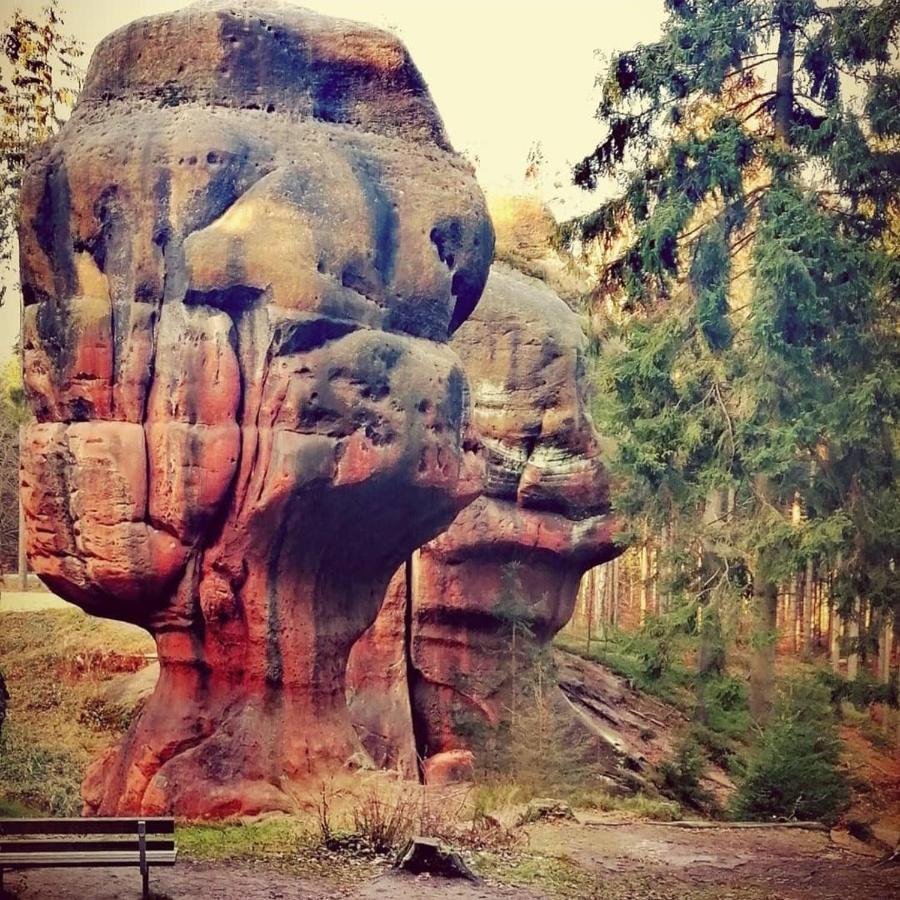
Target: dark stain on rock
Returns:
[308, 334]
[471, 273]
[52, 229]
[234, 299]
[383, 216]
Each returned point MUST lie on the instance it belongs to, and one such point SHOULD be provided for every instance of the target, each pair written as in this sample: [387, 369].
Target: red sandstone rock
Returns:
[449, 767]
[241, 260]
[515, 555]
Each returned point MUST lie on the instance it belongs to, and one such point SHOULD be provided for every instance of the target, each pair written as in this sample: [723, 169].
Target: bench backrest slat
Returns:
[155, 825]
[67, 845]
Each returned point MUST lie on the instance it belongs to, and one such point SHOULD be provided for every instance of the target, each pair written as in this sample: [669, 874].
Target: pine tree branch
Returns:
[727, 419]
[755, 112]
[763, 60]
[767, 55]
[811, 99]
[749, 200]
[767, 95]
[742, 242]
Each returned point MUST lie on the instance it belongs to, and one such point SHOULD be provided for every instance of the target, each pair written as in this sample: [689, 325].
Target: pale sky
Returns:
[505, 74]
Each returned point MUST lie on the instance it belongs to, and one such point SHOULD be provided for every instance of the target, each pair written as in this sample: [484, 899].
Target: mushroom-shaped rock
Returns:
[511, 562]
[242, 258]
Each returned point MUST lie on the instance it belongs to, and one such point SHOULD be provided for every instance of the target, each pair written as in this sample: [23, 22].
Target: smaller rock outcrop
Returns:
[478, 602]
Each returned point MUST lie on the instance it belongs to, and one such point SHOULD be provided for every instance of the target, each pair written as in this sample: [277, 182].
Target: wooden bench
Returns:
[42, 843]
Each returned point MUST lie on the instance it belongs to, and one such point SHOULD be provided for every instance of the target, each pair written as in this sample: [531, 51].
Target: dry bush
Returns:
[385, 822]
[379, 820]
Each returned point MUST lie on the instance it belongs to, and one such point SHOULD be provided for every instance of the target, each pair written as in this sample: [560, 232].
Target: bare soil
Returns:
[663, 862]
[230, 882]
[625, 861]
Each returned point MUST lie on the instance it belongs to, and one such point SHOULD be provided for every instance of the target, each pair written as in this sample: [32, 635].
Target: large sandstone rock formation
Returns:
[242, 258]
[434, 672]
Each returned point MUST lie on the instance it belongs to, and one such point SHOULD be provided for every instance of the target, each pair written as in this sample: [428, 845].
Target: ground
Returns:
[590, 859]
[63, 669]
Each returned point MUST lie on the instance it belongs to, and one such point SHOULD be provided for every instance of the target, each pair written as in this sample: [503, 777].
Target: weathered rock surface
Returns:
[510, 561]
[242, 258]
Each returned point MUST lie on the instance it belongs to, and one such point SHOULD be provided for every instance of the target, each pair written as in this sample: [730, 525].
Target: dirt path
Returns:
[659, 862]
[188, 881]
[637, 861]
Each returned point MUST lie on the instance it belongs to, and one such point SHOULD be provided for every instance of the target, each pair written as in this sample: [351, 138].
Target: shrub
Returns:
[384, 823]
[861, 692]
[654, 648]
[794, 772]
[727, 710]
[679, 777]
[540, 747]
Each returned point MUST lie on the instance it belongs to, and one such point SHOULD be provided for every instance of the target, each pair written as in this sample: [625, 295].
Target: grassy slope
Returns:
[55, 663]
[870, 734]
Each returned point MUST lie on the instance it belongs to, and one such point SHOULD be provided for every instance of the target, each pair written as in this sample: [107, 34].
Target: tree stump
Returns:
[427, 855]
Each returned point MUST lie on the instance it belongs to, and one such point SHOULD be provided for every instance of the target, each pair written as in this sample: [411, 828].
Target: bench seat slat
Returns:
[122, 858]
[99, 825]
[74, 845]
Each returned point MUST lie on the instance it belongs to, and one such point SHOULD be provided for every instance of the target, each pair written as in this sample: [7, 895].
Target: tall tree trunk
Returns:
[835, 637]
[601, 598]
[614, 606]
[762, 663]
[885, 646]
[796, 613]
[853, 636]
[588, 582]
[838, 626]
[809, 599]
[784, 79]
[663, 575]
[711, 653]
[23, 559]
[645, 576]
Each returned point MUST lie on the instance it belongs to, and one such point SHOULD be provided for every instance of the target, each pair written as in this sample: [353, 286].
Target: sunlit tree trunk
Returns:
[835, 637]
[885, 646]
[23, 559]
[765, 591]
[614, 594]
[663, 575]
[762, 663]
[853, 638]
[711, 653]
[588, 586]
[644, 576]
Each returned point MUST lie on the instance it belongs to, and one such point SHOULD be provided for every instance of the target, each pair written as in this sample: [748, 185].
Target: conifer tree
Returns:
[751, 260]
[39, 78]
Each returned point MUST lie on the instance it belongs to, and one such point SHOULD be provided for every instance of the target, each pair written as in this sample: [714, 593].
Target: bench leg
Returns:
[145, 875]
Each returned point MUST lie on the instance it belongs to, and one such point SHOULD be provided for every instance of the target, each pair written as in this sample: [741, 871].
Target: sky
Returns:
[506, 75]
